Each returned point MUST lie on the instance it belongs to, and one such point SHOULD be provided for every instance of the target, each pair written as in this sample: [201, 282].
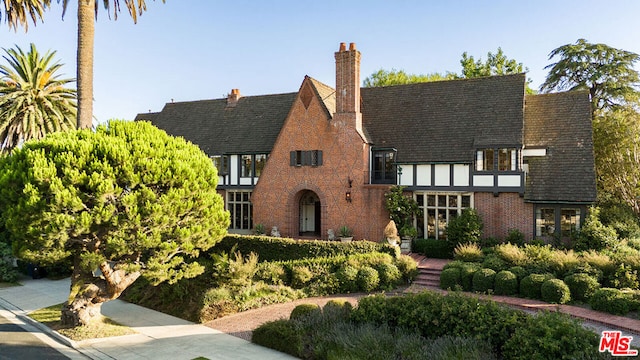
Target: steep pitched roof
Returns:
[445, 121]
[560, 123]
[327, 95]
[251, 126]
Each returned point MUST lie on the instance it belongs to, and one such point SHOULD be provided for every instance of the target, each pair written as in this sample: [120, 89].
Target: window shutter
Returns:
[306, 158]
[292, 158]
[319, 157]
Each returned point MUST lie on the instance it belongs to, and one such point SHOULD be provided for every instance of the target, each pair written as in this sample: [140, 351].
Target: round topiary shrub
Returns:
[519, 272]
[483, 280]
[281, 335]
[531, 285]
[582, 286]
[506, 283]
[347, 275]
[466, 275]
[450, 279]
[613, 301]
[389, 275]
[337, 309]
[555, 291]
[367, 279]
[304, 310]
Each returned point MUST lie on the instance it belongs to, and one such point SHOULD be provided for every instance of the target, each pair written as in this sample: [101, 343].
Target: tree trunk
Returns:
[86, 32]
[88, 292]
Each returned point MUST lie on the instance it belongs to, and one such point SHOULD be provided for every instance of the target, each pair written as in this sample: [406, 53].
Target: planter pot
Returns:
[346, 239]
[405, 244]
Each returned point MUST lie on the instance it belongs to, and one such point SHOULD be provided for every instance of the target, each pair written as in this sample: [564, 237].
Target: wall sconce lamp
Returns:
[347, 196]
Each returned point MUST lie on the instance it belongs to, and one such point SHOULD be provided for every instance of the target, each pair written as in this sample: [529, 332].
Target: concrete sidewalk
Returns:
[160, 336]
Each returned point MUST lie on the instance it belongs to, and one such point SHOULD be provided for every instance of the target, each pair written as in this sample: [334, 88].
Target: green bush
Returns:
[624, 277]
[506, 283]
[271, 272]
[337, 309]
[582, 286]
[300, 276]
[551, 335]
[432, 248]
[613, 301]
[495, 263]
[7, 272]
[515, 237]
[467, 271]
[483, 280]
[304, 310]
[450, 279]
[519, 272]
[281, 335]
[466, 228]
[531, 285]
[408, 268]
[621, 218]
[512, 254]
[593, 234]
[469, 252]
[367, 279]
[347, 276]
[389, 275]
[555, 291]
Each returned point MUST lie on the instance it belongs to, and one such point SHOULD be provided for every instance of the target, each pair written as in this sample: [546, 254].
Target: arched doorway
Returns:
[309, 217]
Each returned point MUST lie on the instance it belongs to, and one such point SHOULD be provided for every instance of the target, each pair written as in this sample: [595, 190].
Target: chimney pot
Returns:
[352, 46]
[343, 47]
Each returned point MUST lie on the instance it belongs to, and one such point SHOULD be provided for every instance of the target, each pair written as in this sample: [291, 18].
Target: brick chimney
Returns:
[348, 86]
[233, 97]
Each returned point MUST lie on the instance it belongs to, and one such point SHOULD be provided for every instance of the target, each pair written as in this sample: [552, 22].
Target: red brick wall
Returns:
[276, 198]
[503, 213]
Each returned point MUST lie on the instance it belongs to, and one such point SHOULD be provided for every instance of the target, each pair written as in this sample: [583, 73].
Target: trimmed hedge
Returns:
[281, 335]
[531, 285]
[304, 310]
[613, 301]
[582, 286]
[506, 283]
[483, 280]
[432, 248]
[555, 291]
[450, 279]
[283, 249]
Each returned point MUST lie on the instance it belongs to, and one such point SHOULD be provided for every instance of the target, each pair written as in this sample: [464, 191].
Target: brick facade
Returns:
[503, 213]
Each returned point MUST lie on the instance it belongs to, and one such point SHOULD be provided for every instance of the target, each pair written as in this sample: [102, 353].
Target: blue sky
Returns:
[201, 49]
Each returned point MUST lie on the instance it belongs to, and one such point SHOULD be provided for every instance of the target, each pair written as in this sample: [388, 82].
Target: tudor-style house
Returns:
[320, 158]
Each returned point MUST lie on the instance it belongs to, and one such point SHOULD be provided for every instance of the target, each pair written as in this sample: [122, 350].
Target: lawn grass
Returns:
[100, 328]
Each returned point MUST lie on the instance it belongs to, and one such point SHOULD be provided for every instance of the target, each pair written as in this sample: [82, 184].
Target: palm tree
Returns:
[33, 100]
[87, 10]
[17, 13]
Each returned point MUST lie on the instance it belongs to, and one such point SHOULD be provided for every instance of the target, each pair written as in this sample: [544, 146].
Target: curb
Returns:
[23, 316]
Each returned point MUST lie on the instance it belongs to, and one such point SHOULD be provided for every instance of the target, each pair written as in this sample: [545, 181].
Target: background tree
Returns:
[34, 101]
[399, 77]
[606, 72]
[127, 201]
[496, 64]
[617, 154]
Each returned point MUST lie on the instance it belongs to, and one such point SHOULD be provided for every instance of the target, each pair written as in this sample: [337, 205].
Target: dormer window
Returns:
[221, 163]
[501, 159]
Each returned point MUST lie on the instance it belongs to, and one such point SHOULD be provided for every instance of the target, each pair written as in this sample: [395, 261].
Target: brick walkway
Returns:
[242, 324]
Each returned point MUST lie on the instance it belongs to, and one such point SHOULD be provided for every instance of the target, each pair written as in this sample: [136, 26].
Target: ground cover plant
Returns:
[428, 326]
